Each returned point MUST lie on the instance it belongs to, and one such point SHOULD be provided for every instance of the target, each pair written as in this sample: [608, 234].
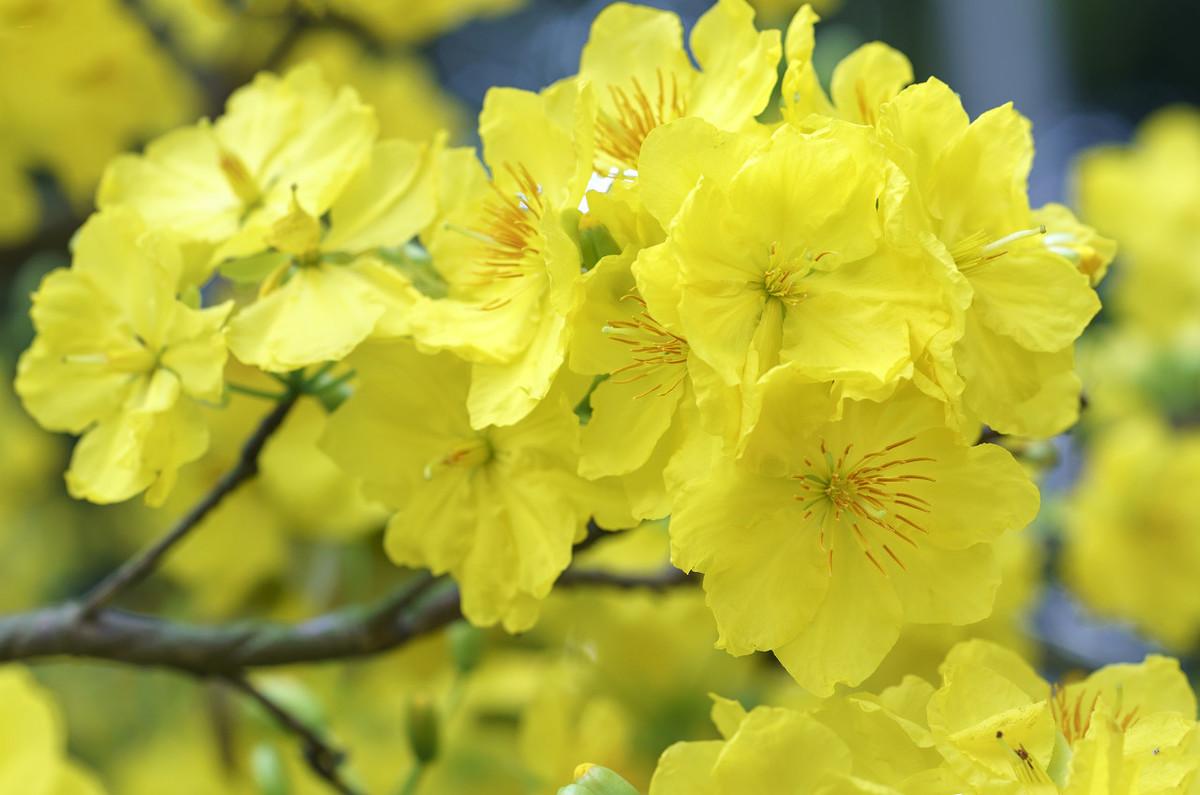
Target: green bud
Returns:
[423, 728]
[269, 771]
[595, 780]
[466, 646]
[334, 395]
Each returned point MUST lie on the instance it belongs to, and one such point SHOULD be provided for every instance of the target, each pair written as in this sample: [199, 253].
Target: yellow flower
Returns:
[33, 737]
[64, 67]
[1030, 302]
[1131, 551]
[228, 182]
[643, 410]
[323, 290]
[862, 81]
[921, 648]
[822, 542]
[1147, 195]
[787, 263]
[857, 743]
[120, 359]
[499, 508]
[1123, 729]
[299, 494]
[596, 638]
[402, 88]
[511, 267]
[414, 20]
[644, 78]
[21, 212]
[235, 39]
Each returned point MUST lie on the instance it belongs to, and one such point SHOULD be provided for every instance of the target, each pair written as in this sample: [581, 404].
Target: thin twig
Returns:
[135, 569]
[324, 760]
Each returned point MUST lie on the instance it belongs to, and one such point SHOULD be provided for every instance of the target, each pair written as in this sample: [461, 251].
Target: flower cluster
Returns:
[1131, 550]
[644, 302]
[993, 725]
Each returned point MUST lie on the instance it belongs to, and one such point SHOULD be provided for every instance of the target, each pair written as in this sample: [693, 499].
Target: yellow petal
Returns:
[852, 630]
[763, 579]
[390, 200]
[866, 79]
[738, 65]
[321, 314]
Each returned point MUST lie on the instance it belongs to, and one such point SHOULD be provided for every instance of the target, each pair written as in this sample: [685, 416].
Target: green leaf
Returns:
[248, 270]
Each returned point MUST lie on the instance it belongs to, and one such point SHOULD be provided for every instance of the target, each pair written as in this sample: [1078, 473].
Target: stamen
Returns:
[868, 492]
[635, 115]
[656, 353]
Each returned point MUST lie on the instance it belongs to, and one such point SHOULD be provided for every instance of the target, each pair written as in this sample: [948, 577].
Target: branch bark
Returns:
[415, 609]
[137, 568]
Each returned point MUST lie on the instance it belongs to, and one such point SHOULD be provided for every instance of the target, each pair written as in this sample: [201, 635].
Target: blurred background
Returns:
[1107, 573]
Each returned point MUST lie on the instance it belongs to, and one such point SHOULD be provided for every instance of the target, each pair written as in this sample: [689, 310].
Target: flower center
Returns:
[634, 114]
[470, 454]
[874, 493]
[975, 250]
[784, 275]
[508, 233]
[1074, 714]
[657, 355]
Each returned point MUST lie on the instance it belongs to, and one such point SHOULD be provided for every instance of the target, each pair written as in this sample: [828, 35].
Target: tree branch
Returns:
[414, 610]
[324, 760]
[138, 567]
[665, 578]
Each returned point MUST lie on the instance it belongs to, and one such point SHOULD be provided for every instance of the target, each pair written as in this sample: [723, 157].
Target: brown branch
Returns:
[416, 609]
[667, 577]
[138, 567]
[322, 758]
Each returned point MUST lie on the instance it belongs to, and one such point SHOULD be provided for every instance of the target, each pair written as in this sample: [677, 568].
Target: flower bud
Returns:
[423, 728]
[466, 646]
[268, 770]
[595, 780]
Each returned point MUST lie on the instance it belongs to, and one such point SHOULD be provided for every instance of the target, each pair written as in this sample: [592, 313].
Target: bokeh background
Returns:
[613, 678]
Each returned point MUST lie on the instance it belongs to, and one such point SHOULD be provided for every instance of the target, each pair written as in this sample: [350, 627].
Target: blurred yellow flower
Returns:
[401, 87]
[413, 20]
[79, 82]
[34, 760]
[1147, 196]
[1131, 550]
[281, 140]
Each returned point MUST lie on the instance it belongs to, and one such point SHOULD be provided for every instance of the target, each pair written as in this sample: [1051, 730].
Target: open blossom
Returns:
[644, 78]
[1127, 728]
[120, 358]
[498, 507]
[826, 538]
[510, 265]
[226, 182]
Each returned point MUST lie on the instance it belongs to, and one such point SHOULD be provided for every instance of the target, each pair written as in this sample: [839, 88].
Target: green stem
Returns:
[257, 393]
[412, 781]
[311, 380]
